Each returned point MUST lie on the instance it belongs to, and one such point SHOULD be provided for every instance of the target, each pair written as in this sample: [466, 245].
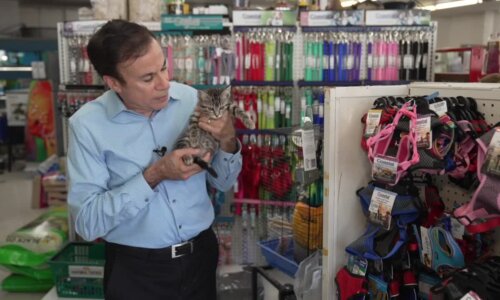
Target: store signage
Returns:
[86, 272]
[264, 18]
[332, 18]
[397, 17]
[82, 27]
[191, 22]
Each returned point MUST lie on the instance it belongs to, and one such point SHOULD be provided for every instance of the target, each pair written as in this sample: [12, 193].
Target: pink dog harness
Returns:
[384, 141]
[482, 212]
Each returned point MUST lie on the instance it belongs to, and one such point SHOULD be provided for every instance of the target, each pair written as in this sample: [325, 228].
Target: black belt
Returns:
[174, 251]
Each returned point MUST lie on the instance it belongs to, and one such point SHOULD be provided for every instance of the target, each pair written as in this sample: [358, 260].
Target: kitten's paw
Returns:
[188, 160]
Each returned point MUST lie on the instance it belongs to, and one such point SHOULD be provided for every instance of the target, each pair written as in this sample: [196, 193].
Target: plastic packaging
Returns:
[109, 9]
[23, 284]
[34, 243]
[308, 279]
[39, 272]
[145, 10]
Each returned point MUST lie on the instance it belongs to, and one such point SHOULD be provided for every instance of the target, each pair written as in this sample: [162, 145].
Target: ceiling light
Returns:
[349, 3]
[453, 4]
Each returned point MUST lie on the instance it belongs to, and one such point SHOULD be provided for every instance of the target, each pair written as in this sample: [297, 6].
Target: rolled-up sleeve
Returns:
[228, 167]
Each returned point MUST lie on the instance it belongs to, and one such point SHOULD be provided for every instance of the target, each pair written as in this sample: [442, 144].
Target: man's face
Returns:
[145, 86]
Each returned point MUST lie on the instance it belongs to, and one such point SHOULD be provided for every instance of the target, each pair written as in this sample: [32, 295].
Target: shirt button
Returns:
[232, 161]
[225, 159]
[174, 200]
[147, 200]
[180, 226]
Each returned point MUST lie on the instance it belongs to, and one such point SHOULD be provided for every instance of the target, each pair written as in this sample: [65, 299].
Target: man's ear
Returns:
[113, 83]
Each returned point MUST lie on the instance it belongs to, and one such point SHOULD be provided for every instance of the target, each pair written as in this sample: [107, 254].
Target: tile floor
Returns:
[16, 211]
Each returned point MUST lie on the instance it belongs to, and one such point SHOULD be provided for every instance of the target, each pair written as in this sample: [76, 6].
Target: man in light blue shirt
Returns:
[152, 210]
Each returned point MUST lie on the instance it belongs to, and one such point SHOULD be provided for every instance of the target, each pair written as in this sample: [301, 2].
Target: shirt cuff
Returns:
[139, 190]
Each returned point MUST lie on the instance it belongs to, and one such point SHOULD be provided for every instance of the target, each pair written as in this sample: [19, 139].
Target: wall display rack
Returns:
[346, 163]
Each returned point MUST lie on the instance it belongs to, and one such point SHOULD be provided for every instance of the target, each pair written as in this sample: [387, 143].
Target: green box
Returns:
[191, 22]
[79, 270]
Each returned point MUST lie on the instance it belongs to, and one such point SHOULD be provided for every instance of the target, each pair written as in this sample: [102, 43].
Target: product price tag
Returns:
[288, 112]
[424, 133]
[471, 296]
[372, 122]
[457, 229]
[189, 64]
[408, 61]
[426, 256]
[357, 265]
[370, 61]
[259, 105]
[381, 207]
[492, 162]
[424, 61]
[283, 107]
[247, 61]
[382, 61]
[440, 108]
[384, 169]
[311, 62]
[419, 59]
[38, 70]
[270, 61]
[392, 61]
[350, 62]
[325, 61]
[277, 104]
[332, 62]
[309, 150]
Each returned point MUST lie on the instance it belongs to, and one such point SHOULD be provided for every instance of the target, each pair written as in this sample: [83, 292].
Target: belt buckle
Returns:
[174, 249]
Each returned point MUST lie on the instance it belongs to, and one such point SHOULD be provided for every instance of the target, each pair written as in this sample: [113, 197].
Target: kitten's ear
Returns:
[226, 93]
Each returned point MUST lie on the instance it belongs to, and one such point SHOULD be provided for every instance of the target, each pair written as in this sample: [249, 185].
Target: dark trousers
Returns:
[139, 273]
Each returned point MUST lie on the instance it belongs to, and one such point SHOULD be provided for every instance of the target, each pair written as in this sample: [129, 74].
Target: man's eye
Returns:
[148, 79]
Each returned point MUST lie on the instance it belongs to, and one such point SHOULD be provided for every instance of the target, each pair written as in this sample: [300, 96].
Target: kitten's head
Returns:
[214, 102]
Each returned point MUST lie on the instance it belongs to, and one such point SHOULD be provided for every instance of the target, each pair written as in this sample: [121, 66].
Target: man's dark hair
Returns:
[115, 42]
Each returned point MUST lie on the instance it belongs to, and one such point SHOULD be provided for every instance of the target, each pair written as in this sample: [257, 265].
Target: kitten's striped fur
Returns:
[212, 103]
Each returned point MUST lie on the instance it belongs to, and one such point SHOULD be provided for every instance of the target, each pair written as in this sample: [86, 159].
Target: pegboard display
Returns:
[346, 164]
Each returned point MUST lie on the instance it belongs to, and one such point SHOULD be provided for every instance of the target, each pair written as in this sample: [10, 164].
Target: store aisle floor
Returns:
[15, 211]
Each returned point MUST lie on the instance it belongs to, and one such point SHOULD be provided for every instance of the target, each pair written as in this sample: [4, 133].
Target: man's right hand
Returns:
[172, 167]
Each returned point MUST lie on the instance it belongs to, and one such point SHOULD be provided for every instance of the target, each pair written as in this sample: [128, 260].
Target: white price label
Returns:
[380, 208]
[86, 272]
[424, 132]
[247, 61]
[426, 256]
[408, 61]
[309, 150]
[350, 62]
[440, 108]
[384, 169]
[382, 61]
[370, 61]
[372, 121]
[277, 104]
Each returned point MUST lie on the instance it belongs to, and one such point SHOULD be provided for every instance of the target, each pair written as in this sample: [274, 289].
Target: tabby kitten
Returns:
[212, 103]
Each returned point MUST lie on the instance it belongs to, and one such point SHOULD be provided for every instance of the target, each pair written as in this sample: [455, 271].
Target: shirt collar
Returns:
[115, 105]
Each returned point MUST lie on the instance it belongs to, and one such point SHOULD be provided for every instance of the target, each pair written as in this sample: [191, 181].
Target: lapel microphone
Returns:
[160, 151]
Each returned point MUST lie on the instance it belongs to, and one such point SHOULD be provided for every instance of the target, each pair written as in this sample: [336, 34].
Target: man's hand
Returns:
[172, 167]
[222, 129]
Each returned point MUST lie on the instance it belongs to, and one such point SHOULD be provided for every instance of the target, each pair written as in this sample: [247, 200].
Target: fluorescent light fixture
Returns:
[452, 4]
[349, 3]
